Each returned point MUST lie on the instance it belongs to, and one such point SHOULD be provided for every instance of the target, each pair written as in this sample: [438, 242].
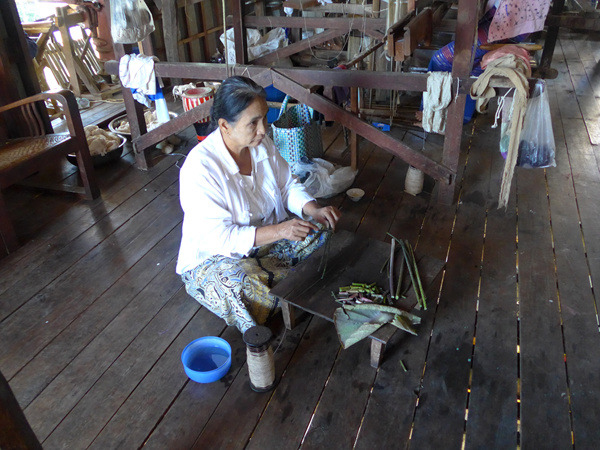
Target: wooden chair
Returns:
[22, 157]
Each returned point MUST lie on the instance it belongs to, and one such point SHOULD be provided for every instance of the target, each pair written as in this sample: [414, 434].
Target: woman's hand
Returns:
[326, 215]
[295, 229]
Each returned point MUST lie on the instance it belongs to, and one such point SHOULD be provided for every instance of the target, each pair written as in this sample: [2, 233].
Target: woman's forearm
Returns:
[266, 235]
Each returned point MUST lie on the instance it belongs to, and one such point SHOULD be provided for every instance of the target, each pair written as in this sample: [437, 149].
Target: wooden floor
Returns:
[94, 318]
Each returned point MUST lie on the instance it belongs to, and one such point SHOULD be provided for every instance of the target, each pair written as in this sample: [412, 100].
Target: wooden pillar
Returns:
[169, 23]
[550, 42]
[15, 431]
[135, 116]
[466, 37]
[239, 33]
[61, 15]
[353, 135]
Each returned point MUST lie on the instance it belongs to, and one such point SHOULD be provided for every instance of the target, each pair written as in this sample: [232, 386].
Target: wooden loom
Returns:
[300, 83]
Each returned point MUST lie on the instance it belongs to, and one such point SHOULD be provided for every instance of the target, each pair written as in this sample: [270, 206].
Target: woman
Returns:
[234, 191]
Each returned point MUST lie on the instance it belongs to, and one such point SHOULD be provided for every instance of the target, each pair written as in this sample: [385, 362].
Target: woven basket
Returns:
[295, 133]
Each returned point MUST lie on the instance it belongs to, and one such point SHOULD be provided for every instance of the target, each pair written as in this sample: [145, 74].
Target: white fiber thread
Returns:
[413, 183]
[261, 368]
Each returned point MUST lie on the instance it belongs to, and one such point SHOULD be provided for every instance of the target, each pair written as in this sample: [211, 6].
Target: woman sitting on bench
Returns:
[234, 190]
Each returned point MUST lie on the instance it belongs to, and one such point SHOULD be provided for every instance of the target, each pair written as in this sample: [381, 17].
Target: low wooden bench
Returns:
[351, 258]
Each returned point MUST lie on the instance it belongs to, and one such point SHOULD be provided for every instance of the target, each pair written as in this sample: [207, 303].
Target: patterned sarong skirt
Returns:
[237, 289]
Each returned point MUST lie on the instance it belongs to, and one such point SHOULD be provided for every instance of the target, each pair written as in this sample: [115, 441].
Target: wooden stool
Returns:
[351, 259]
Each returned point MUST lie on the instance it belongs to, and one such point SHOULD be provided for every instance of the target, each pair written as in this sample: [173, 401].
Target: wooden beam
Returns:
[331, 23]
[341, 8]
[299, 46]
[176, 124]
[321, 77]
[385, 141]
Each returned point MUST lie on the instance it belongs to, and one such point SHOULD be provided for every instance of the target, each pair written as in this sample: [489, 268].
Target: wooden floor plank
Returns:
[493, 410]
[295, 398]
[65, 391]
[339, 411]
[129, 427]
[588, 104]
[46, 365]
[60, 303]
[544, 407]
[95, 409]
[388, 200]
[439, 418]
[368, 180]
[578, 307]
[187, 417]
[105, 370]
[72, 238]
[394, 389]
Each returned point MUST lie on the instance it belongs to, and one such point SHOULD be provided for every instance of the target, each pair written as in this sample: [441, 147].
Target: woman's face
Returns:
[250, 128]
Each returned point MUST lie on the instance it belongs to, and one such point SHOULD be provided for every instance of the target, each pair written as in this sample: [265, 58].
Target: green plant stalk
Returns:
[400, 275]
[410, 271]
[403, 366]
[418, 277]
[391, 267]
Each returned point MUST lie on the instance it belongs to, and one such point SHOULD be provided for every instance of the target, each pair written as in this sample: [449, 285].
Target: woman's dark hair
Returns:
[233, 96]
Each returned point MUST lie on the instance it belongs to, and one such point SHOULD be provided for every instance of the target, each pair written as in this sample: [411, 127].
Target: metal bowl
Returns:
[100, 160]
[116, 122]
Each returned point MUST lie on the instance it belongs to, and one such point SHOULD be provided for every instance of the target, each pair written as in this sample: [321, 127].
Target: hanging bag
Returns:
[130, 21]
[537, 146]
[295, 134]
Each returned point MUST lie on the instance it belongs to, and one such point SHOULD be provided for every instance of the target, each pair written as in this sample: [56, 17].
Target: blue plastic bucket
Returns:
[206, 359]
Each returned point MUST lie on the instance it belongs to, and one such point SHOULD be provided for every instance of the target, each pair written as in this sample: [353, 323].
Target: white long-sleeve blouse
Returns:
[216, 204]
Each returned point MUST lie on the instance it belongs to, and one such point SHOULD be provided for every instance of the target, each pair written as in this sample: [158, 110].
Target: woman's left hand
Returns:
[326, 215]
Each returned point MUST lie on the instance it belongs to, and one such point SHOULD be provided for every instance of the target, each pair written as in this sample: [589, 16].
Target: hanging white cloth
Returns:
[436, 101]
[137, 72]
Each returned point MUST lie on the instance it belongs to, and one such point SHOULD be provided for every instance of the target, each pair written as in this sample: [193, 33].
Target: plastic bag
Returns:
[130, 21]
[321, 178]
[258, 45]
[537, 146]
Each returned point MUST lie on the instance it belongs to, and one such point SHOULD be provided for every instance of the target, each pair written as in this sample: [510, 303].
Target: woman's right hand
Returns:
[295, 229]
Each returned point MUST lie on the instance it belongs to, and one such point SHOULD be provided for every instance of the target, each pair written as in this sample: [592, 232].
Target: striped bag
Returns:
[295, 133]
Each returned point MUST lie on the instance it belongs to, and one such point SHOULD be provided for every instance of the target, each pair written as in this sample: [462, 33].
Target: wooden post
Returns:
[353, 136]
[61, 16]
[135, 116]
[7, 231]
[169, 23]
[550, 42]
[289, 315]
[15, 431]
[239, 33]
[377, 350]
[466, 34]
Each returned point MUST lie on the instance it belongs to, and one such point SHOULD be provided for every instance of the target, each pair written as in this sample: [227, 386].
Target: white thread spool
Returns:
[413, 183]
[259, 355]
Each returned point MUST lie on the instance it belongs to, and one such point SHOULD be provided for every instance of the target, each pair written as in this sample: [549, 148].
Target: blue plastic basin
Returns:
[206, 359]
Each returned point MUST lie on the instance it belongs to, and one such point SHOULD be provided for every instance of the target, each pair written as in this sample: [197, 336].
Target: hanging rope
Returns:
[228, 69]
[516, 71]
